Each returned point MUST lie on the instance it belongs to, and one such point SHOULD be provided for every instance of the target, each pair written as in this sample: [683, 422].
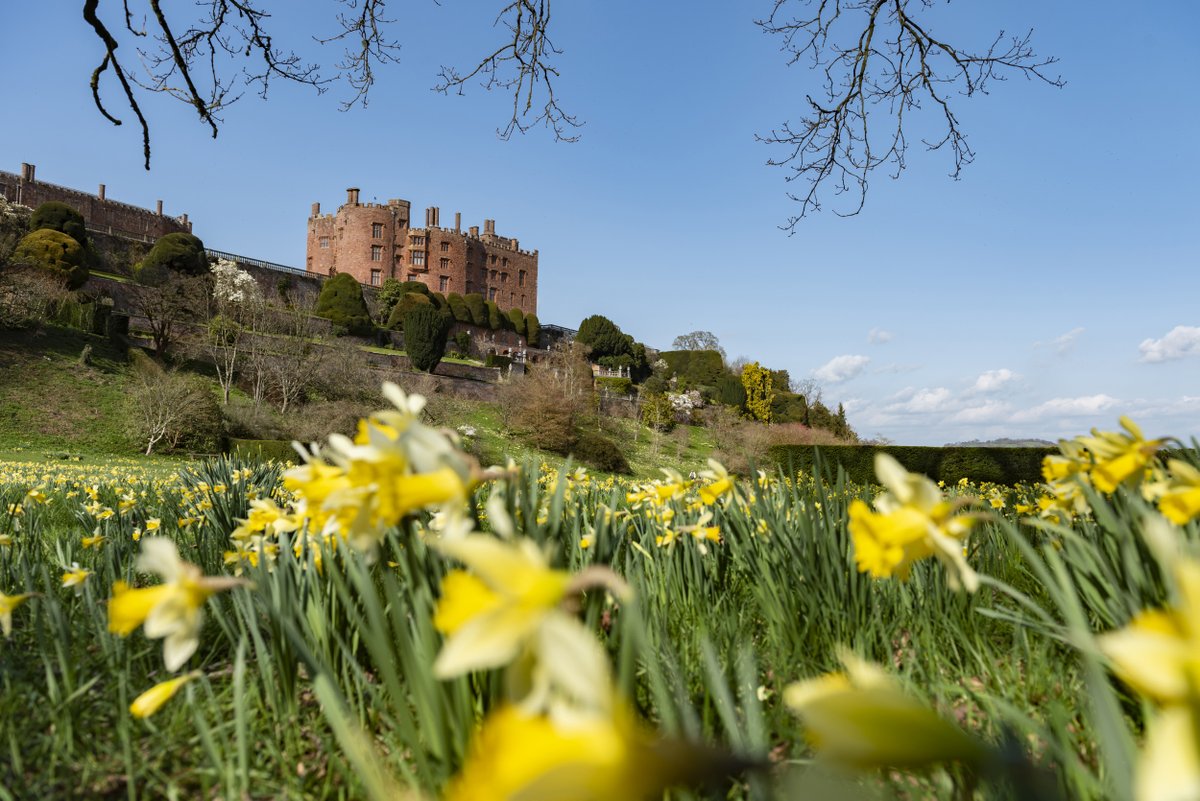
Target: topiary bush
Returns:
[406, 304]
[463, 340]
[496, 360]
[55, 216]
[495, 319]
[458, 307]
[477, 306]
[533, 330]
[341, 302]
[56, 253]
[178, 253]
[600, 452]
[425, 332]
[516, 320]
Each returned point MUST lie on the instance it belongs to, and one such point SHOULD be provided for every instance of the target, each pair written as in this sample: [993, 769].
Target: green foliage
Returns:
[760, 391]
[615, 385]
[496, 360]
[341, 302]
[463, 340]
[55, 216]
[694, 368]
[54, 252]
[495, 319]
[998, 465]
[389, 295]
[516, 319]
[533, 330]
[729, 390]
[788, 407]
[657, 412]
[477, 306]
[600, 452]
[425, 332]
[407, 303]
[603, 338]
[458, 308]
[173, 253]
[263, 450]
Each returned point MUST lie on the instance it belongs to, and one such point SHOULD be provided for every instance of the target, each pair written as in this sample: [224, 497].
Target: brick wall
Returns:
[99, 212]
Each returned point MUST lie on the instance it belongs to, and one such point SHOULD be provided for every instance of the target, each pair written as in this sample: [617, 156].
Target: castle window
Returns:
[412, 276]
[504, 278]
[445, 247]
[504, 262]
[325, 242]
[377, 230]
[521, 278]
[492, 275]
[445, 263]
[511, 299]
[399, 258]
[443, 283]
[376, 277]
[418, 241]
[376, 253]
[492, 293]
[418, 258]
[493, 258]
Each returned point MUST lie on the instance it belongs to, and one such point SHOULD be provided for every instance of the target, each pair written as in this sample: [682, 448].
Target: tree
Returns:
[760, 391]
[54, 253]
[171, 300]
[407, 303]
[875, 58]
[341, 302]
[698, 340]
[602, 337]
[516, 320]
[389, 295]
[533, 330]
[14, 225]
[166, 406]
[235, 307]
[57, 216]
[425, 331]
[178, 253]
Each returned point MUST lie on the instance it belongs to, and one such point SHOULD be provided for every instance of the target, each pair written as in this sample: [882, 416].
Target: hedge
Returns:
[997, 465]
[695, 368]
[615, 385]
[261, 450]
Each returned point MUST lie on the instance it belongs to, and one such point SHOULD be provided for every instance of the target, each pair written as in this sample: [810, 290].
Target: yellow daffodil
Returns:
[153, 524]
[863, 719]
[911, 521]
[7, 604]
[1180, 501]
[94, 541]
[1119, 458]
[75, 576]
[719, 486]
[172, 610]
[152, 700]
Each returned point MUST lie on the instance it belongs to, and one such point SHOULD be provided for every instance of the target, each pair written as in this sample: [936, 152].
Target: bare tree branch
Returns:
[364, 29]
[891, 67]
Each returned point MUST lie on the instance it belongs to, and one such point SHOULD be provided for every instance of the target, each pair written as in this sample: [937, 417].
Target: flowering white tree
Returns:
[235, 305]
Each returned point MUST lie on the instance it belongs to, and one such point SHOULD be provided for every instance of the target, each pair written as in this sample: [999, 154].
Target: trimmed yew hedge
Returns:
[997, 465]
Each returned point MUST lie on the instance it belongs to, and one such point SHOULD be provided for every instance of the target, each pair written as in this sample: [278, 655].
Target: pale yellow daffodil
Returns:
[152, 700]
[7, 604]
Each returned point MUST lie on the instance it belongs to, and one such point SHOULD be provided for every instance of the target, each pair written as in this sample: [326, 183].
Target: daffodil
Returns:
[94, 541]
[911, 522]
[1180, 500]
[1119, 458]
[862, 718]
[7, 604]
[172, 610]
[75, 576]
[152, 700]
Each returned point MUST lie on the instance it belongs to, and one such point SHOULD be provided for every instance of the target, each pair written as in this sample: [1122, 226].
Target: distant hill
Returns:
[1003, 442]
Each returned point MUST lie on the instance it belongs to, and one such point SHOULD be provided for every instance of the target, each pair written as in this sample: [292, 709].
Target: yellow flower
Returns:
[172, 610]
[75, 576]
[1119, 458]
[720, 486]
[1180, 502]
[489, 616]
[911, 521]
[152, 700]
[94, 541]
[7, 604]
[153, 524]
[862, 718]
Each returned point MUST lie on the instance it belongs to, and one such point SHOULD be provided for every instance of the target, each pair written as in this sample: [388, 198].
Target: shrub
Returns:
[998, 465]
[533, 330]
[617, 386]
[262, 450]
[599, 452]
[55, 216]
[694, 368]
[603, 337]
[463, 340]
[495, 320]
[14, 225]
[178, 253]
[496, 360]
[389, 295]
[406, 304]
[55, 253]
[730, 390]
[477, 306]
[657, 412]
[516, 319]
[458, 307]
[341, 302]
[425, 331]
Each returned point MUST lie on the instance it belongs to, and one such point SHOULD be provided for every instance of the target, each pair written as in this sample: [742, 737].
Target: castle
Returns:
[101, 214]
[374, 242]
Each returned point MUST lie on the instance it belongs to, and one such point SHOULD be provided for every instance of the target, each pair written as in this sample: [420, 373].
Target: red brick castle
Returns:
[374, 241]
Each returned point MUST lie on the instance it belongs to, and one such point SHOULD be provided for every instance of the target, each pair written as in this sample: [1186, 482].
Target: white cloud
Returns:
[1180, 341]
[928, 400]
[841, 368]
[1062, 344]
[877, 336]
[1081, 406]
[987, 412]
[897, 368]
[994, 380]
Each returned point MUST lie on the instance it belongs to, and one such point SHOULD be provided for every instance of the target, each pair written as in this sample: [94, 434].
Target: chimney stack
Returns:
[458, 222]
[27, 172]
[316, 209]
[159, 208]
[352, 196]
[474, 231]
[516, 244]
[101, 192]
[437, 217]
[489, 227]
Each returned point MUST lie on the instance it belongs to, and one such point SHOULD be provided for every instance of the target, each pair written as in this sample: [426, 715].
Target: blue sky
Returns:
[1051, 289]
